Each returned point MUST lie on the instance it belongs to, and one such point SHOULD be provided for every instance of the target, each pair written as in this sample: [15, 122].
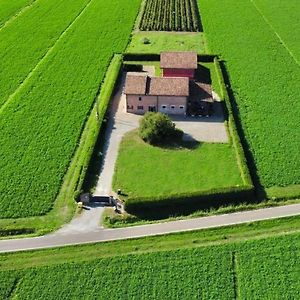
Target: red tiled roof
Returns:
[178, 60]
[169, 86]
[136, 83]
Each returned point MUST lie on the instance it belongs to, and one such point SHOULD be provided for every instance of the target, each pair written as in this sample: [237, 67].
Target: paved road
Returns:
[102, 235]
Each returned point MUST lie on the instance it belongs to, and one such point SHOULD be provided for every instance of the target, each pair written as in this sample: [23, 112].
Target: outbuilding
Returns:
[178, 64]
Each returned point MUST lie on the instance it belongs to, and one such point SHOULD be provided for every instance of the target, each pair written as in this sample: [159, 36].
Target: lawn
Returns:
[166, 41]
[145, 170]
[254, 261]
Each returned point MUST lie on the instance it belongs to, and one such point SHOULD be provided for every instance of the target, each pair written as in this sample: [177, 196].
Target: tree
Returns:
[156, 128]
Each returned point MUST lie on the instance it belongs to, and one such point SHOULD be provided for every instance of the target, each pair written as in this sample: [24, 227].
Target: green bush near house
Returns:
[158, 128]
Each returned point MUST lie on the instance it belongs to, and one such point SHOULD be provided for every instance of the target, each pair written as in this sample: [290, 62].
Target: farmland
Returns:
[189, 265]
[55, 103]
[22, 55]
[10, 8]
[257, 41]
[170, 15]
[284, 20]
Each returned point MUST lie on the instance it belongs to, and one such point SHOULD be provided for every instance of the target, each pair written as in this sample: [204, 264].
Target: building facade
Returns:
[156, 94]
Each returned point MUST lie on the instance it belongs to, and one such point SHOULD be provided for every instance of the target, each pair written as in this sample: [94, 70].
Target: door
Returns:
[152, 108]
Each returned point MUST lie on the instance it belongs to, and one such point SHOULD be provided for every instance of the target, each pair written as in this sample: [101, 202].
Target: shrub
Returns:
[146, 41]
[157, 128]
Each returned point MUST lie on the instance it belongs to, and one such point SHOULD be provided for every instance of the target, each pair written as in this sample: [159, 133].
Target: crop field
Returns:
[23, 54]
[284, 19]
[258, 41]
[258, 269]
[8, 280]
[170, 15]
[10, 8]
[46, 116]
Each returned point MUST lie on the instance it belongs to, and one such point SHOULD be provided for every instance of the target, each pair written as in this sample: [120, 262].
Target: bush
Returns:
[157, 128]
[146, 41]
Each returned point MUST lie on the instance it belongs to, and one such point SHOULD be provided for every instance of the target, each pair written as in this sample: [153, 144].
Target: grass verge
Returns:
[156, 42]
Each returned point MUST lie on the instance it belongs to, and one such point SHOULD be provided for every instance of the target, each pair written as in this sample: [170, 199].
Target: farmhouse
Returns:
[176, 92]
[178, 64]
[164, 94]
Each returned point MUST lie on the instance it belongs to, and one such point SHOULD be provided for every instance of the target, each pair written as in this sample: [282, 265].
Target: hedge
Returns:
[232, 129]
[204, 199]
[74, 178]
[99, 110]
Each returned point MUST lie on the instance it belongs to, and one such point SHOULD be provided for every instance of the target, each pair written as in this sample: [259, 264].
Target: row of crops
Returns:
[170, 15]
[265, 78]
[260, 269]
[10, 8]
[41, 124]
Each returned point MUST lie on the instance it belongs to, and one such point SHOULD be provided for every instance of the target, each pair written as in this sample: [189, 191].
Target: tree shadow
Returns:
[182, 210]
[179, 144]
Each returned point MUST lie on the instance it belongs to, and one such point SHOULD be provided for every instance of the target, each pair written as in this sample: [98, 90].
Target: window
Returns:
[173, 106]
[129, 106]
[140, 107]
[163, 106]
[140, 98]
[181, 107]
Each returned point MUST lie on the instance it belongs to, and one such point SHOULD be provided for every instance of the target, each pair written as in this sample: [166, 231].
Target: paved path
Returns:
[102, 235]
[119, 123]
[87, 220]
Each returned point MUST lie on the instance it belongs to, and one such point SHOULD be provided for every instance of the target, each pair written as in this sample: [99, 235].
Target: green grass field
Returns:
[46, 116]
[22, 55]
[10, 8]
[163, 172]
[250, 261]
[257, 41]
[166, 41]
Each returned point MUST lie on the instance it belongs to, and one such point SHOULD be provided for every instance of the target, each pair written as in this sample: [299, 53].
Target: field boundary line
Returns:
[234, 276]
[18, 13]
[276, 33]
[44, 57]
[15, 287]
